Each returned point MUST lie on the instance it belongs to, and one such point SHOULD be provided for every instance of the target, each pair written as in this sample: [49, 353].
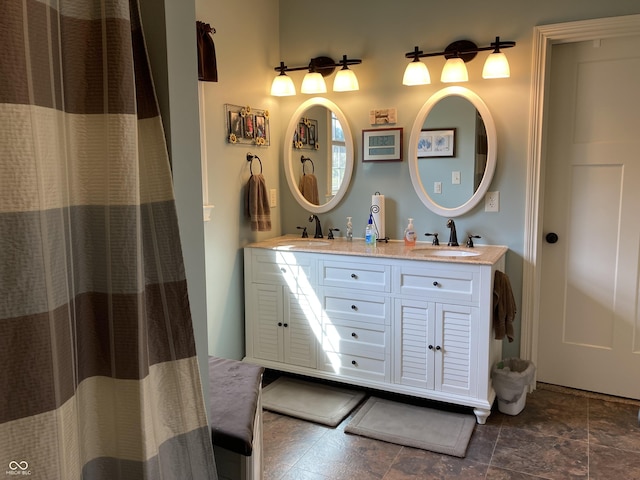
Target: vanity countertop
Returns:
[422, 251]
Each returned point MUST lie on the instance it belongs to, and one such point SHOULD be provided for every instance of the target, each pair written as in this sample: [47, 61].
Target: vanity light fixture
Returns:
[313, 81]
[457, 54]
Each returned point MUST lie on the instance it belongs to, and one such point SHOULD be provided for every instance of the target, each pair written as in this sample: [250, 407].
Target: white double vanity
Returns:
[410, 320]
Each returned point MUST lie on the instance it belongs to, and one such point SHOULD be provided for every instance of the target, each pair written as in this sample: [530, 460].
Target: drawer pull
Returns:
[354, 363]
[354, 308]
[354, 335]
[435, 284]
[354, 276]
[283, 270]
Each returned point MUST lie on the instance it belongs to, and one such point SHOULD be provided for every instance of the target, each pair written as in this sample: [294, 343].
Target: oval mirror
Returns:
[452, 151]
[318, 155]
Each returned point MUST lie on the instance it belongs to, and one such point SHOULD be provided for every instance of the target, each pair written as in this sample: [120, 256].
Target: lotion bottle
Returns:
[349, 234]
[410, 234]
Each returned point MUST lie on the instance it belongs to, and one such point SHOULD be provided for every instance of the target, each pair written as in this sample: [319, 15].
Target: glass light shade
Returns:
[313, 82]
[496, 66]
[454, 71]
[283, 86]
[345, 81]
[416, 73]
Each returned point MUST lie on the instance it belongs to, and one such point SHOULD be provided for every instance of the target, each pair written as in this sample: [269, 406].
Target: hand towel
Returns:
[504, 306]
[257, 204]
[309, 188]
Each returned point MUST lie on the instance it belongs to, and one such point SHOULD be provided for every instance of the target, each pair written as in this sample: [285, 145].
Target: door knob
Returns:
[551, 237]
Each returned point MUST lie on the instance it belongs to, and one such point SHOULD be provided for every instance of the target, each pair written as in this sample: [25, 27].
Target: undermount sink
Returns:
[304, 242]
[437, 252]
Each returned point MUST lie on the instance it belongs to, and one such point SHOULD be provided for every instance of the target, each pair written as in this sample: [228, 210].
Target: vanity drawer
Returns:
[438, 283]
[357, 366]
[360, 275]
[355, 306]
[282, 268]
[355, 338]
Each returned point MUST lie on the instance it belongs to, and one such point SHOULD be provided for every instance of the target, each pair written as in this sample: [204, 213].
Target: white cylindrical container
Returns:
[377, 209]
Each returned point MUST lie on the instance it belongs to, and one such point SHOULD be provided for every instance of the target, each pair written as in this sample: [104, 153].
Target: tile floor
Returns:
[559, 435]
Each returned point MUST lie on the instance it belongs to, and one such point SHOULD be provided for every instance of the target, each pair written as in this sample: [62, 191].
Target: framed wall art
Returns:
[382, 145]
[306, 135]
[437, 143]
[246, 125]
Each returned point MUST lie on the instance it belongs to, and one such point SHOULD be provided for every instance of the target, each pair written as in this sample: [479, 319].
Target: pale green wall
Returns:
[380, 32]
[247, 50]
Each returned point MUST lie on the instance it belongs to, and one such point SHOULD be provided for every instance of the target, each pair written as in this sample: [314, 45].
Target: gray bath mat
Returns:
[315, 402]
[412, 426]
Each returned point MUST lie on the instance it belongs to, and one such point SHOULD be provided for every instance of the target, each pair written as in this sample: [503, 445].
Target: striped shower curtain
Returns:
[98, 370]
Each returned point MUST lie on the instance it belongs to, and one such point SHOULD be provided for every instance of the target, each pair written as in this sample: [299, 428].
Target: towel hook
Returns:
[250, 158]
[303, 160]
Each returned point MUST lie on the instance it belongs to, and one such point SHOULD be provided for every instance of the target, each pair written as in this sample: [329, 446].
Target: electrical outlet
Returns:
[437, 187]
[492, 202]
[273, 198]
[455, 178]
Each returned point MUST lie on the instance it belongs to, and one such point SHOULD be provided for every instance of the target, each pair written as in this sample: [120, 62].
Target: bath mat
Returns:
[419, 427]
[315, 402]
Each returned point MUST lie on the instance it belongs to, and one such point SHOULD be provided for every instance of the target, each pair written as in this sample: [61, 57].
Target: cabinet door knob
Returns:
[279, 324]
[283, 270]
[437, 347]
[430, 347]
[353, 362]
[353, 334]
[286, 325]
[353, 307]
[354, 276]
[435, 284]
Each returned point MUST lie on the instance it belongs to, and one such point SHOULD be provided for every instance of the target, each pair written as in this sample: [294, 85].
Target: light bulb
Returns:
[496, 66]
[313, 82]
[283, 86]
[416, 73]
[454, 71]
[345, 81]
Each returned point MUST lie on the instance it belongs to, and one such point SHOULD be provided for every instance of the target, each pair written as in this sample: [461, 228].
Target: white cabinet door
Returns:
[302, 324]
[414, 332]
[266, 313]
[456, 355]
[433, 347]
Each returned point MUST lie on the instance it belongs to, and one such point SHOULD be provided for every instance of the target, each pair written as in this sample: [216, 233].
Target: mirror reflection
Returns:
[455, 128]
[320, 145]
[453, 151]
[318, 155]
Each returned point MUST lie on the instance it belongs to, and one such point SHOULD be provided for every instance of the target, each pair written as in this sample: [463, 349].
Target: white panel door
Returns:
[589, 333]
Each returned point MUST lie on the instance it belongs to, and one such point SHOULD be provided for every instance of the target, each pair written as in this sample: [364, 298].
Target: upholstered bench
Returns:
[235, 415]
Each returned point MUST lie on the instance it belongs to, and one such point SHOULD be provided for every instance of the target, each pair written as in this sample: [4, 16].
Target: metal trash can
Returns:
[511, 379]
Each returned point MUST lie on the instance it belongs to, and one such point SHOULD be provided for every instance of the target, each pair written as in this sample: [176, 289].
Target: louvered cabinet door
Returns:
[456, 353]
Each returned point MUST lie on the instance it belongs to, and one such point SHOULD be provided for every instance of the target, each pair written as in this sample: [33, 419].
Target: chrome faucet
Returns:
[318, 226]
[453, 236]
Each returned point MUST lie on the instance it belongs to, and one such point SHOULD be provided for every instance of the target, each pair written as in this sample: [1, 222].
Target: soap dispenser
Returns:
[349, 233]
[370, 233]
[410, 234]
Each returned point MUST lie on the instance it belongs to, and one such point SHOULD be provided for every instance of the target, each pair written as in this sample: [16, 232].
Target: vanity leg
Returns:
[481, 415]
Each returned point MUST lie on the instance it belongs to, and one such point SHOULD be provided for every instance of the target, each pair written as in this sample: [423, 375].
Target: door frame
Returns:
[544, 37]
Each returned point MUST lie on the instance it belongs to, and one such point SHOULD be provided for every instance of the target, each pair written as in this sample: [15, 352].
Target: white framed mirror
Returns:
[318, 142]
[453, 179]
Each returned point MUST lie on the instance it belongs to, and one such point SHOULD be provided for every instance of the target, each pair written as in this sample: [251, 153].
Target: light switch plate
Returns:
[273, 198]
[455, 178]
[437, 187]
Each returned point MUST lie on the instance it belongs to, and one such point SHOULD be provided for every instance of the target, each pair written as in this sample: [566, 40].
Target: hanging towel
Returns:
[504, 306]
[207, 63]
[257, 204]
[309, 188]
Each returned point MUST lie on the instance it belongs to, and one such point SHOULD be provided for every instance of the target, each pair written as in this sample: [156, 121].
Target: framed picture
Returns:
[246, 125]
[306, 134]
[382, 145]
[437, 143]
